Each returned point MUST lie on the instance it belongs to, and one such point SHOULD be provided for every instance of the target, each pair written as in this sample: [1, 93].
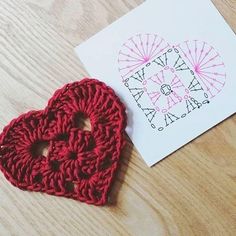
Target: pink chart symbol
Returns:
[138, 51]
[165, 90]
[206, 63]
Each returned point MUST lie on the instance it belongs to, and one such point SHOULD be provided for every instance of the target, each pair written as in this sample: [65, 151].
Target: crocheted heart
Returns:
[80, 164]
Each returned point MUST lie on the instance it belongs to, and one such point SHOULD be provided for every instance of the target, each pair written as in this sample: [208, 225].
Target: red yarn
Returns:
[80, 164]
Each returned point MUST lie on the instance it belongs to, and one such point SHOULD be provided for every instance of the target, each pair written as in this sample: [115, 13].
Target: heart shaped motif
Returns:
[168, 82]
[80, 164]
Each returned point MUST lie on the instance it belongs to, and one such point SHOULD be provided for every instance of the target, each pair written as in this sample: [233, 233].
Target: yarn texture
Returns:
[79, 164]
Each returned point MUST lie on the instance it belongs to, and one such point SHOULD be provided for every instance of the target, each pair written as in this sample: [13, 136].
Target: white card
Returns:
[173, 65]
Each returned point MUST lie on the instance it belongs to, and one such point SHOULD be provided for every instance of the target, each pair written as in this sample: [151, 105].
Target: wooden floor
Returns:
[192, 192]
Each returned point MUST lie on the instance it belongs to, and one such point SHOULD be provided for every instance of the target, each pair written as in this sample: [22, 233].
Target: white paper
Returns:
[172, 63]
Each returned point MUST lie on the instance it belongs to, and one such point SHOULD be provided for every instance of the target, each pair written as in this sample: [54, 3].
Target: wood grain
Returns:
[192, 192]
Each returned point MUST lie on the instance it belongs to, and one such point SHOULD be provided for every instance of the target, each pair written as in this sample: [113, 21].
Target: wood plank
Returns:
[192, 192]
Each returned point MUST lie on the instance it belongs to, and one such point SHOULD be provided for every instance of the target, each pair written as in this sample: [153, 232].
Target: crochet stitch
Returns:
[80, 164]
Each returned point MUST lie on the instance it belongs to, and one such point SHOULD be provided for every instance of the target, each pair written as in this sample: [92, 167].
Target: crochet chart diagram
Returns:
[168, 82]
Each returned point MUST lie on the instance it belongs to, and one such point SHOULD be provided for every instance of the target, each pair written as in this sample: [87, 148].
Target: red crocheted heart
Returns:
[80, 164]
